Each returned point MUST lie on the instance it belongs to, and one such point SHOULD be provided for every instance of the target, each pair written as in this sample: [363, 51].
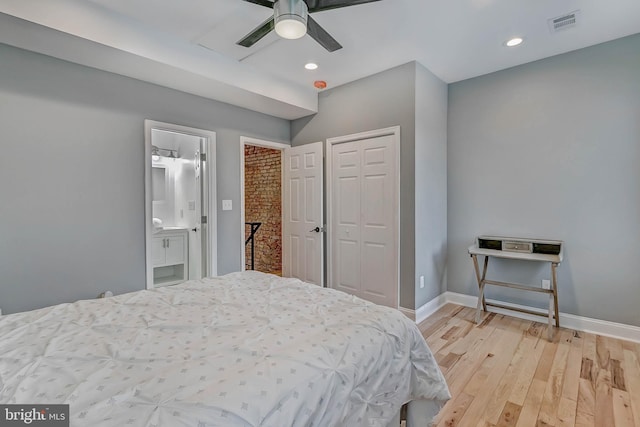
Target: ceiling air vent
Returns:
[564, 22]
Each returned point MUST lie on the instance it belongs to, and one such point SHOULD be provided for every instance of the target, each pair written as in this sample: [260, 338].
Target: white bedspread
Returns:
[246, 349]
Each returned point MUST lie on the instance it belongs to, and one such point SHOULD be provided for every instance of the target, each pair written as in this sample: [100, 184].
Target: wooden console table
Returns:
[518, 249]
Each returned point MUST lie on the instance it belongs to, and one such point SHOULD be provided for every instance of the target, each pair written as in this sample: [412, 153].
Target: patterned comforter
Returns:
[245, 349]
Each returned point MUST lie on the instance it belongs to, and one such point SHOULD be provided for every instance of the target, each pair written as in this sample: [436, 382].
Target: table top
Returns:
[475, 250]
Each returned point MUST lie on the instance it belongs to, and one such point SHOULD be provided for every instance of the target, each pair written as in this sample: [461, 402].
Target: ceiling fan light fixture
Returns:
[290, 17]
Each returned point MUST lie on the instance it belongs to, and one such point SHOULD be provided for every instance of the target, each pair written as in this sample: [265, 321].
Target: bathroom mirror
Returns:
[158, 183]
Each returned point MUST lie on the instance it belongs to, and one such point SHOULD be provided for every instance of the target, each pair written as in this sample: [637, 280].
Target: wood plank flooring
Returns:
[504, 372]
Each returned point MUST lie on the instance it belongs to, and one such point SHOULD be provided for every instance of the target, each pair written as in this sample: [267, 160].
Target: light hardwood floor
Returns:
[504, 372]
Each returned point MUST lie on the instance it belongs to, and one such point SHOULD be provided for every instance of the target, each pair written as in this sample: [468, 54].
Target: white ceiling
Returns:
[190, 44]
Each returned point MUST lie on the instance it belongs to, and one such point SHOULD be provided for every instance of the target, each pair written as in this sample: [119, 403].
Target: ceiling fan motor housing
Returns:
[290, 17]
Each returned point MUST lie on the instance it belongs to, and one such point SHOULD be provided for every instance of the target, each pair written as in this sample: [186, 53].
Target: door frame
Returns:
[245, 140]
[390, 131]
[212, 220]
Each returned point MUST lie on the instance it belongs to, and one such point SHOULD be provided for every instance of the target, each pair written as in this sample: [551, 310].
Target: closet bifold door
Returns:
[364, 217]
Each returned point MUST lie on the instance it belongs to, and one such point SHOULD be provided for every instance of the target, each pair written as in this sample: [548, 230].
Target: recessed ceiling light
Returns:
[311, 66]
[514, 41]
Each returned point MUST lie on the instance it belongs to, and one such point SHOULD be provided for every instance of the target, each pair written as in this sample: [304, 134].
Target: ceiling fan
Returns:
[291, 20]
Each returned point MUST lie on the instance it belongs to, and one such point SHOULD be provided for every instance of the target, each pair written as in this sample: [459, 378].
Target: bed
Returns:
[245, 349]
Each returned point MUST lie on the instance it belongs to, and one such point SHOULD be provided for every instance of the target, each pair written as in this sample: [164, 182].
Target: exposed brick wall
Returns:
[262, 203]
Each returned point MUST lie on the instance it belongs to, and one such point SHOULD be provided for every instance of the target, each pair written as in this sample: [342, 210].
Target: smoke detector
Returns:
[564, 22]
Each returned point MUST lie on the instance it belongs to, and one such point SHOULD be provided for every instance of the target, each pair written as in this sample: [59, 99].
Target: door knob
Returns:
[317, 230]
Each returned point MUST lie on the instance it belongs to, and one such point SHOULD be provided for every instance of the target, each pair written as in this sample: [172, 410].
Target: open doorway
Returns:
[180, 193]
[261, 199]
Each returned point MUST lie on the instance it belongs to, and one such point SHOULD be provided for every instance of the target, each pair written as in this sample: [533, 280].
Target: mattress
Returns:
[245, 349]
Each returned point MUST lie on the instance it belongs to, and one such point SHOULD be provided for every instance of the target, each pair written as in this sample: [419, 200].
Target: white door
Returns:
[196, 255]
[302, 225]
[364, 217]
[197, 244]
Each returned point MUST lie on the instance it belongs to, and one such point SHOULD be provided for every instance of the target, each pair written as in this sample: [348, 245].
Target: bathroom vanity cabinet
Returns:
[170, 256]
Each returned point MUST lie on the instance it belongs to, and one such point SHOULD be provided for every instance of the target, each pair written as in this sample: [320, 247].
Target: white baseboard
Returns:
[431, 307]
[571, 321]
[411, 314]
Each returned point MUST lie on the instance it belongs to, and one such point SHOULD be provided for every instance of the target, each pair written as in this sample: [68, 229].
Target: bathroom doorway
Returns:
[261, 199]
[180, 201]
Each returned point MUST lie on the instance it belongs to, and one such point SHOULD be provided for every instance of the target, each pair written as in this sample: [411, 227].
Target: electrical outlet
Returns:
[546, 284]
[226, 205]
[421, 282]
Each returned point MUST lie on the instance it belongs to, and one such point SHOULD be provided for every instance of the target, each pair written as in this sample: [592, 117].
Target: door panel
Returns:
[373, 192]
[310, 200]
[291, 264]
[347, 157]
[348, 206]
[157, 251]
[375, 274]
[294, 200]
[303, 247]
[347, 277]
[175, 250]
[374, 156]
[311, 160]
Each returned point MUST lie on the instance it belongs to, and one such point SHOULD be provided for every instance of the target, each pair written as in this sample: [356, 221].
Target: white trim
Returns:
[426, 310]
[395, 131]
[411, 314]
[245, 140]
[570, 321]
[212, 220]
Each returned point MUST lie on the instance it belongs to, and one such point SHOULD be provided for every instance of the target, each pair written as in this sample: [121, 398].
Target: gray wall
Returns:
[552, 150]
[72, 176]
[430, 185]
[379, 101]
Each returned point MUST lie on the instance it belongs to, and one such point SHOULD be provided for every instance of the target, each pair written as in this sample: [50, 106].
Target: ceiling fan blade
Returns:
[265, 3]
[259, 32]
[320, 5]
[321, 36]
